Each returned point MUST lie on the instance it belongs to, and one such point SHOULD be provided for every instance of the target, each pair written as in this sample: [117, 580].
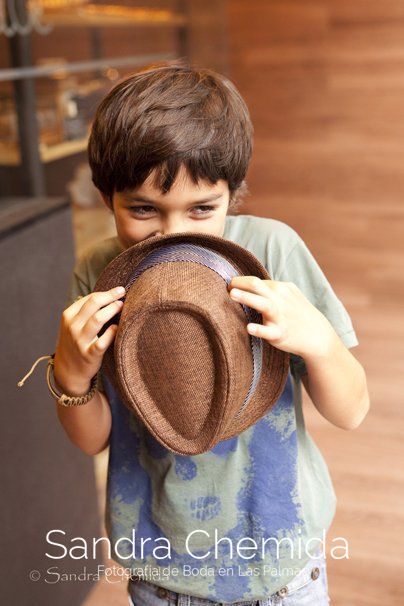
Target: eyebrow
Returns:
[139, 198]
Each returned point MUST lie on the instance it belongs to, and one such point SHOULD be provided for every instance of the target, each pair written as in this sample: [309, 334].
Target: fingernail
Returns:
[235, 293]
[119, 290]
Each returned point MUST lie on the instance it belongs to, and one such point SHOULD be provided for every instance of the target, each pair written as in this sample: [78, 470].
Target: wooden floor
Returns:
[325, 84]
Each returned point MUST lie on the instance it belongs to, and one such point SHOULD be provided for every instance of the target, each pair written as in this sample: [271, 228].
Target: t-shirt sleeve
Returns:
[77, 288]
[301, 268]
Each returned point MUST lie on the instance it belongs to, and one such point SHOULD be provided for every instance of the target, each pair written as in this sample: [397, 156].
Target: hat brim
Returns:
[275, 363]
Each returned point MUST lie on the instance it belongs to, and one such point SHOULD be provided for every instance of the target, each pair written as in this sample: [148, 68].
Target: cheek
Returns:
[129, 230]
[220, 221]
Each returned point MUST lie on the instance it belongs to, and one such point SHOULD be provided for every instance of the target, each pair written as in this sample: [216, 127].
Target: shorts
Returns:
[308, 588]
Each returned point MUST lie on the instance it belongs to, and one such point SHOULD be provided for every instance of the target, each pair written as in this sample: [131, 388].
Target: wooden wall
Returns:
[325, 85]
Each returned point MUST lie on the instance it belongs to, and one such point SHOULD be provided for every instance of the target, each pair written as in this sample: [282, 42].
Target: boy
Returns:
[169, 150]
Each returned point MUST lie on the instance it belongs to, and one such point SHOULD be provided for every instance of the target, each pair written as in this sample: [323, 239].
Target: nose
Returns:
[171, 229]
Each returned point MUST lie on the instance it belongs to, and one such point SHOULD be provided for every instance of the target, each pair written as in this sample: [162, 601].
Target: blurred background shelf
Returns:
[10, 156]
[53, 77]
[47, 100]
[93, 15]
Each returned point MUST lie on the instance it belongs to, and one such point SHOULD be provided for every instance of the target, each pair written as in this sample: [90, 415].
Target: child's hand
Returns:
[289, 321]
[79, 351]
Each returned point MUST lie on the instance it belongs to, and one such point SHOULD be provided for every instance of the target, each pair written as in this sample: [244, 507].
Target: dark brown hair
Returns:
[166, 116]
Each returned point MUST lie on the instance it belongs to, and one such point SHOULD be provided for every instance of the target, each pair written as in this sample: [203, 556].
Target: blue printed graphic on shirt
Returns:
[246, 486]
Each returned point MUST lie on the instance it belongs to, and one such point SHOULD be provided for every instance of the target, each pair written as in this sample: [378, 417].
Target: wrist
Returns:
[67, 380]
[69, 399]
[325, 349]
[71, 386]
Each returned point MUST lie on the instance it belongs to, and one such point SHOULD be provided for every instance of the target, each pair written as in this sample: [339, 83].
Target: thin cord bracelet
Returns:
[61, 398]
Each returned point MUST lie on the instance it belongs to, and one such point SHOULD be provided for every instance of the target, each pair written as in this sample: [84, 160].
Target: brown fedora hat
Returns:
[182, 359]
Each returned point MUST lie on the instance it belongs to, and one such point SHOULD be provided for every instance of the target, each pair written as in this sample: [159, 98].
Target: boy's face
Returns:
[146, 212]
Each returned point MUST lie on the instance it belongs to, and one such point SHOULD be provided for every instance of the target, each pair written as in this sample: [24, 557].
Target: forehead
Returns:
[183, 183]
[183, 189]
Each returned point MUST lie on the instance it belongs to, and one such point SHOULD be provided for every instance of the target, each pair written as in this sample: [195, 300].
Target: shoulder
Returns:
[246, 225]
[270, 240]
[95, 258]
[101, 251]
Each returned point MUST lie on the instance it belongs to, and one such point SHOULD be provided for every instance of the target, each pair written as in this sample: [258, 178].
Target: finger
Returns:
[95, 323]
[249, 283]
[269, 332]
[253, 284]
[95, 301]
[100, 345]
[73, 309]
[258, 302]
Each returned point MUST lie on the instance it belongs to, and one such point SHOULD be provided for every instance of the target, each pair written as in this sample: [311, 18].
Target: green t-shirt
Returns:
[270, 482]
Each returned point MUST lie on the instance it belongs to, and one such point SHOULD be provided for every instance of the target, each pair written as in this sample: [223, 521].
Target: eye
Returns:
[141, 210]
[204, 208]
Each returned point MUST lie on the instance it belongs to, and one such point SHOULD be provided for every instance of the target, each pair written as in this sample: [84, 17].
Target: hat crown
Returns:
[188, 252]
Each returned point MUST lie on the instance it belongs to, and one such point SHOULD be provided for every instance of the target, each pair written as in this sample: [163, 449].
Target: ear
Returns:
[237, 197]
